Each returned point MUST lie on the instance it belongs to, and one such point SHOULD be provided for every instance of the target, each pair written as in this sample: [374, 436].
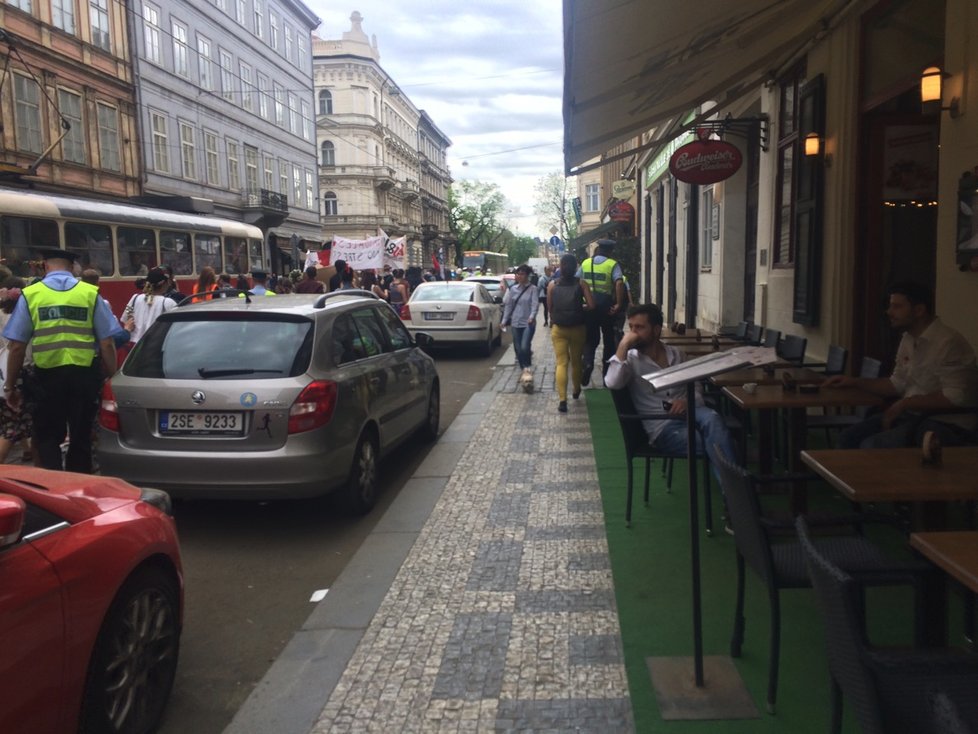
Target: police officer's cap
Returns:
[259, 274]
[55, 253]
[606, 243]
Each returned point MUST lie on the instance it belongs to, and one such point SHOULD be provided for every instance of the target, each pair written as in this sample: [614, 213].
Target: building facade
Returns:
[68, 64]
[226, 113]
[382, 160]
[803, 238]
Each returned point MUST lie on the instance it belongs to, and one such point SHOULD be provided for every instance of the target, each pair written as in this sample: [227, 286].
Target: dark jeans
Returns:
[522, 338]
[907, 430]
[68, 400]
[600, 327]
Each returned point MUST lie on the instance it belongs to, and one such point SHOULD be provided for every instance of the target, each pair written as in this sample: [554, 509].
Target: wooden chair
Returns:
[637, 447]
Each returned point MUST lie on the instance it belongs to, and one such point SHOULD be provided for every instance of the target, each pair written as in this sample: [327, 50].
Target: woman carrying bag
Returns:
[568, 298]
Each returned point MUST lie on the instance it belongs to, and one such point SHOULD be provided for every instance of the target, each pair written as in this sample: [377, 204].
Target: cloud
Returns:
[488, 72]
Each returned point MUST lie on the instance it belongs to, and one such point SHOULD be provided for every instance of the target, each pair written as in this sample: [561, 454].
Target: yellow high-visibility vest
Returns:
[64, 324]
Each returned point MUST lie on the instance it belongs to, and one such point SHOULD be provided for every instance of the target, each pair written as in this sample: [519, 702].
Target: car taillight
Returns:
[314, 406]
[108, 412]
[405, 312]
[475, 314]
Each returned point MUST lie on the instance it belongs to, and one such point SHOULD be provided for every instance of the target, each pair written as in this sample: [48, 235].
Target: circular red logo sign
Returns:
[705, 161]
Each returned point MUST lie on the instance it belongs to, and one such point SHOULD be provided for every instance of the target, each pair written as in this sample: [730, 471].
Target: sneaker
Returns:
[562, 406]
[576, 394]
[586, 377]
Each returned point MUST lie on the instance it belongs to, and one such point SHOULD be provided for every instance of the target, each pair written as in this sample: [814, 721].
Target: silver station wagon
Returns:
[269, 397]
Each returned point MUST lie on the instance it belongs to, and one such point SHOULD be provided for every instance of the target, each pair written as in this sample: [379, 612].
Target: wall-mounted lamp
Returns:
[813, 144]
[932, 92]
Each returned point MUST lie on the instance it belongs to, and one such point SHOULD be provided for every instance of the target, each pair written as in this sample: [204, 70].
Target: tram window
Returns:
[175, 252]
[93, 245]
[137, 250]
[18, 235]
[255, 252]
[207, 251]
[236, 253]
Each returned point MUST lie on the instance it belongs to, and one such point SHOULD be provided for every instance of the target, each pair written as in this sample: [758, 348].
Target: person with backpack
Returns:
[568, 299]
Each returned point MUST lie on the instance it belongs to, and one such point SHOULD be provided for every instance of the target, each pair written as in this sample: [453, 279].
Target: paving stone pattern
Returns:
[502, 617]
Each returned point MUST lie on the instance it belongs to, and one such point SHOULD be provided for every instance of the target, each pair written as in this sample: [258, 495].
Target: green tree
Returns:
[476, 210]
[552, 205]
[520, 248]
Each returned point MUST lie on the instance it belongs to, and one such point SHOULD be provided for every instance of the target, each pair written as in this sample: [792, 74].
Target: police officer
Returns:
[71, 332]
[260, 277]
[604, 277]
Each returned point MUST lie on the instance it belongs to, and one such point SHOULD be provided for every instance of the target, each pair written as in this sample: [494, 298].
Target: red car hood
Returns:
[75, 497]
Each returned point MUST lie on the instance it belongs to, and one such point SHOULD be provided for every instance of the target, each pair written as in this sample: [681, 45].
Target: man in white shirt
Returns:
[640, 352]
[935, 369]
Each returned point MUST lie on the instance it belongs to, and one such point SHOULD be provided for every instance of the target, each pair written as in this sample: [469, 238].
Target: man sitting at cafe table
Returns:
[935, 370]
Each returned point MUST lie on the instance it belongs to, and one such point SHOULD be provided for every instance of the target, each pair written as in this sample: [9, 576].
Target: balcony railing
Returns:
[409, 189]
[270, 201]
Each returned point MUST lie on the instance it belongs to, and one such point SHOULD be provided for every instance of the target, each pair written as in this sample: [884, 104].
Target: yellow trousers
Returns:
[568, 347]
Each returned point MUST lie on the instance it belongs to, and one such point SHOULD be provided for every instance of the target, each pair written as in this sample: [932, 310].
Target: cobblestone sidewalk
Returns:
[502, 617]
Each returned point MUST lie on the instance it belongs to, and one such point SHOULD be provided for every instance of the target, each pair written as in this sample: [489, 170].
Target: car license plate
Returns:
[438, 316]
[201, 423]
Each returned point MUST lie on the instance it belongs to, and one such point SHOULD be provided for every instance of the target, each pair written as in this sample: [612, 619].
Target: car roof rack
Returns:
[355, 292]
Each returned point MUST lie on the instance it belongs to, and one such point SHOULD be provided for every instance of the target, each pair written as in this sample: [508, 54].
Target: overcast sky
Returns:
[488, 72]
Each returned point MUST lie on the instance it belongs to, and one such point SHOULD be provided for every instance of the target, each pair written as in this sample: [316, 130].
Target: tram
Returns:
[124, 241]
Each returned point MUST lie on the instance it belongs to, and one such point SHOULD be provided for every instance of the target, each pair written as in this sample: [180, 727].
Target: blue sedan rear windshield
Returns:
[223, 349]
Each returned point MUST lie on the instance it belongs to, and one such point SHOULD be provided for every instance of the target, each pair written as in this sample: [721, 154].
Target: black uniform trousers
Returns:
[600, 325]
[67, 400]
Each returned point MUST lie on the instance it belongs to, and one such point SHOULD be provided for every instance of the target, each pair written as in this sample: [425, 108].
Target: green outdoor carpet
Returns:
[652, 577]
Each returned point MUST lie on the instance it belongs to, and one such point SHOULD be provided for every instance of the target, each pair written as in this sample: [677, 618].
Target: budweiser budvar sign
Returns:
[705, 161]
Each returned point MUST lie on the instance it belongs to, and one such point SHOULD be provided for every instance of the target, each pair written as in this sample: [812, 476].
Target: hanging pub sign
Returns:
[705, 161]
[621, 211]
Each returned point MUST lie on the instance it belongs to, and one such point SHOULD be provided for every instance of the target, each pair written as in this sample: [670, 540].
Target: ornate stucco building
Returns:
[65, 64]
[382, 160]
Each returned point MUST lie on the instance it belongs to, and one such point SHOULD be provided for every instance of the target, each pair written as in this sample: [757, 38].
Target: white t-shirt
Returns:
[145, 312]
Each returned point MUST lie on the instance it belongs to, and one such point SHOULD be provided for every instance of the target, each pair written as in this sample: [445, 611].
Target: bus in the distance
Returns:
[123, 241]
[485, 261]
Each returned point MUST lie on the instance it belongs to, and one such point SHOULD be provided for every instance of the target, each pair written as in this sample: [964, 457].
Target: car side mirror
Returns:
[423, 339]
[12, 512]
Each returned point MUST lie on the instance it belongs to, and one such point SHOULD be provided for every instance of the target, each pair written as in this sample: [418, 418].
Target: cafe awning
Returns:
[593, 234]
[631, 66]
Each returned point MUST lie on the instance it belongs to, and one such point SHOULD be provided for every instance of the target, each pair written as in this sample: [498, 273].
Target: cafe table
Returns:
[760, 376]
[900, 475]
[954, 552]
[767, 400]
[690, 332]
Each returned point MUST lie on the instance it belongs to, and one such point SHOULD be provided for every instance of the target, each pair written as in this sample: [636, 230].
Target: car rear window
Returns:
[444, 293]
[224, 347]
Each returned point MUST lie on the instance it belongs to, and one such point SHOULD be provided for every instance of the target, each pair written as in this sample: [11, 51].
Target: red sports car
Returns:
[91, 603]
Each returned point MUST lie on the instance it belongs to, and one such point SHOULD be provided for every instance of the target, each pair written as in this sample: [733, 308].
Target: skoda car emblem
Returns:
[198, 397]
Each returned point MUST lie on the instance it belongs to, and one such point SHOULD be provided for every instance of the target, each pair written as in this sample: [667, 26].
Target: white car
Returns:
[455, 312]
[495, 284]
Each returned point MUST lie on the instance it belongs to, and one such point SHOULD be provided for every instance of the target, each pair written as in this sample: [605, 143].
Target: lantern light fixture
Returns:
[932, 92]
[813, 144]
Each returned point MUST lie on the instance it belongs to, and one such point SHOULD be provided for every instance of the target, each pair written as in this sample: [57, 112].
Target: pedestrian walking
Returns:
[568, 300]
[146, 307]
[205, 286]
[15, 425]
[398, 291]
[542, 284]
[520, 312]
[61, 318]
[309, 282]
[604, 277]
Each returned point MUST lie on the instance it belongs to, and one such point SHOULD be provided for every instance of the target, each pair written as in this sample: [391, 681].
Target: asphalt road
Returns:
[250, 569]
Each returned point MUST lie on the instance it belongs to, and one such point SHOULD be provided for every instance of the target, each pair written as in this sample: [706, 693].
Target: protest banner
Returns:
[359, 254]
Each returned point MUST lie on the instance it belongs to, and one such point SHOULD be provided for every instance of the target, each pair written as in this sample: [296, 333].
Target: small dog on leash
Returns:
[526, 381]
